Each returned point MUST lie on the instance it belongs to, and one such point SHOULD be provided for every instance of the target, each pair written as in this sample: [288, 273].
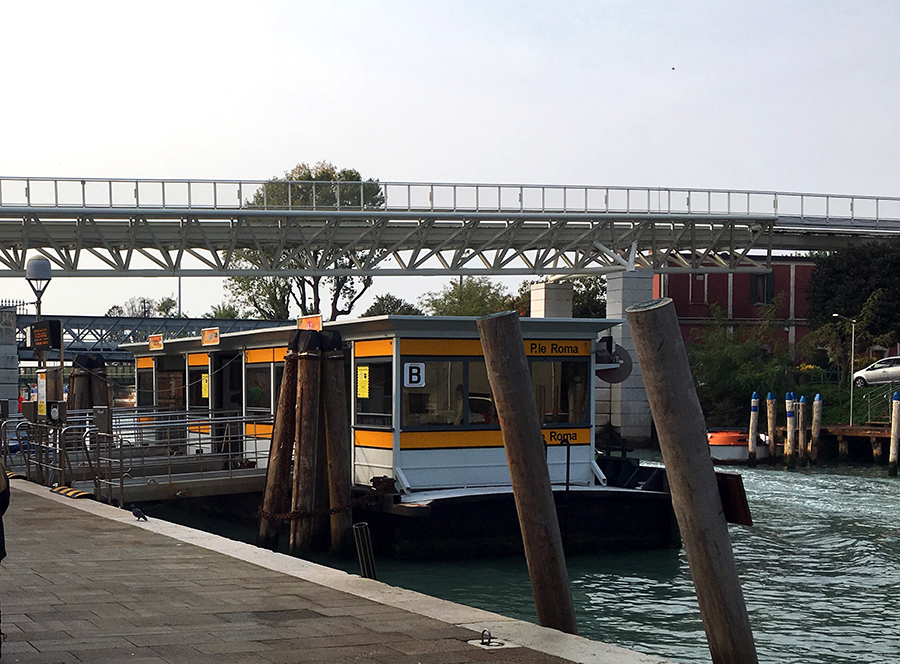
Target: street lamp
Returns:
[852, 355]
[37, 273]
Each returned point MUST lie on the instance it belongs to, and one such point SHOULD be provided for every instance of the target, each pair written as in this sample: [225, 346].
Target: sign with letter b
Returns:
[414, 374]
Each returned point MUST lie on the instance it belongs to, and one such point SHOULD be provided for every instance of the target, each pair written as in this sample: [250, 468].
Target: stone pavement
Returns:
[86, 582]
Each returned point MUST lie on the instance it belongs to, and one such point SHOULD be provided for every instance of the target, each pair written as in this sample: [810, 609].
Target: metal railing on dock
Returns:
[148, 453]
[878, 403]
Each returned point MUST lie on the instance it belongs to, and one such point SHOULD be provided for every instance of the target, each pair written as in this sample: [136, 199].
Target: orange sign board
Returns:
[310, 322]
[155, 342]
[209, 336]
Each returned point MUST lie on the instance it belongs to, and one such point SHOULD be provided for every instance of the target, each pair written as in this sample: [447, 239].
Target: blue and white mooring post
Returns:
[771, 412]
[753, 433]
[801, 431]
[789, 430]
[895, 434]
[816, 430]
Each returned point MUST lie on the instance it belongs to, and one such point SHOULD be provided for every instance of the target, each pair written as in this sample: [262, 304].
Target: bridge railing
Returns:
[434, 197]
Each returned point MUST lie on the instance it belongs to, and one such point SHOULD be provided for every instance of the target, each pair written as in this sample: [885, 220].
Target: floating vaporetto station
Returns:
[423, 415]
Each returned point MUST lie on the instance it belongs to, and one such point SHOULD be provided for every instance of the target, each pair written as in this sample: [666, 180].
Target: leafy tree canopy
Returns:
[729, 366]
[385, 305]
[145, 307]
[846, 281]
[321, 186]
[225, 310]
[470, 296]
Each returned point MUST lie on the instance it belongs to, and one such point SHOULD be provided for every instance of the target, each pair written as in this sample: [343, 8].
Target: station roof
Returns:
[386, 327]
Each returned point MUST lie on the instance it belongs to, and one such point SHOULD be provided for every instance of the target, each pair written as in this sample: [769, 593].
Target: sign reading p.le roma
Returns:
[209, 336]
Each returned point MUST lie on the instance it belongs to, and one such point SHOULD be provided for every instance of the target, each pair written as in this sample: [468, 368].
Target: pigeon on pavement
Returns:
[140, 516]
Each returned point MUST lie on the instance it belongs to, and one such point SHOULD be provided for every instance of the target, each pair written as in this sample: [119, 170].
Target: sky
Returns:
[786, 96]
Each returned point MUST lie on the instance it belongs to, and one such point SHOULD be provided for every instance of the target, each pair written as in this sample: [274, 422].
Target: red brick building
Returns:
[742, 296]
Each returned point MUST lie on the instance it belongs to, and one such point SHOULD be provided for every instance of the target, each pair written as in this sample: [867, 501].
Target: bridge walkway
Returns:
[86, 582]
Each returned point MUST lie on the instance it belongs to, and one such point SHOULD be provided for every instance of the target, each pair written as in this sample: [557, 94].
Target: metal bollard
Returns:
[363, 540]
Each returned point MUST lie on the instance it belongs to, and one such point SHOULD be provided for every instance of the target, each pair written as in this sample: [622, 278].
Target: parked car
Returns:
[886, 370]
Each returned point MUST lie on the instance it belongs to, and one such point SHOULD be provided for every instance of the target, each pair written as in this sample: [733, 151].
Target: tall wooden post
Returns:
[816, 430]
[790, 430]
[771, 414]
[895, 435]
[510, 380]
[801, 430]
[337, 437]
[277, 495]
[692, 479]
[753, 432]
[306, 435]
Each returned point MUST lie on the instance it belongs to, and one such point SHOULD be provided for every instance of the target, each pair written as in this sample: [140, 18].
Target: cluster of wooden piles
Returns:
[312, 428]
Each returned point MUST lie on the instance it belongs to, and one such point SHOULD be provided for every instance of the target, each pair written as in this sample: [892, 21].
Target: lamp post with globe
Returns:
[38, 275]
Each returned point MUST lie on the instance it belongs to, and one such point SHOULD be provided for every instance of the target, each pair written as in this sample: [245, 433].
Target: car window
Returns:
[881, 364]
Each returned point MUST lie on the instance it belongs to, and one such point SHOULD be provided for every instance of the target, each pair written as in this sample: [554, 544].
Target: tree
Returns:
[268, 298]
[843, 282]
[385, 305]
[318, 187]
[729, 366]
[470, 296]
[836, 334]
[134, 307]
[167, 307]
[225, 311]
[589, 298]
[145, 307]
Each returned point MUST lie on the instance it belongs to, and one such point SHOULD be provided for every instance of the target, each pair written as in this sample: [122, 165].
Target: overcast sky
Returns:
[789, 96]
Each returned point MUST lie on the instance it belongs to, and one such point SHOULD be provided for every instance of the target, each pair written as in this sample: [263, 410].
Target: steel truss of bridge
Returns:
[91, 227]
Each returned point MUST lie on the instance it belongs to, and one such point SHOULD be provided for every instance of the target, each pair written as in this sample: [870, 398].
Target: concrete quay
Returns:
[86, 582]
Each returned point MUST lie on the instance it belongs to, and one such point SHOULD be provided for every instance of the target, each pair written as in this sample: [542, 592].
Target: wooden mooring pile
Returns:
[803, 438]
[312, 399]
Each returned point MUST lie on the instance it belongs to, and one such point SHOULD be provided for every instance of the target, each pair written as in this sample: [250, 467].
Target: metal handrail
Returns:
[177, 194]
[878, 403]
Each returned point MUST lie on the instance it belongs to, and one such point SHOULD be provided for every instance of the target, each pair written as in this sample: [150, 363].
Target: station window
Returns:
[144, 387]
[447, 393]
[259, 389]
[437, 395]
[279, 374]
[374, 393]
[561, 391]
[198, 388]
[480, 398]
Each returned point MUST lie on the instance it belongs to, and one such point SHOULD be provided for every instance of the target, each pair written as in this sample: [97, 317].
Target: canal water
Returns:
[820, 570]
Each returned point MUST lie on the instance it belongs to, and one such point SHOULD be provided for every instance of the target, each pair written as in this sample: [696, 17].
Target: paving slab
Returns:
[86, 582]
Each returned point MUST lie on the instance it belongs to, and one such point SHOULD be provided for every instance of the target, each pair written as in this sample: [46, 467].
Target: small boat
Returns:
[730, 445]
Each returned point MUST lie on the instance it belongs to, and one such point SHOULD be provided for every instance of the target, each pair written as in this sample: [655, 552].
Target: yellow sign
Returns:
[204, 386]
[310, 322]
[155, 342]
[209, 336]
[566, 436]
[548, 347]
[42, 394]
[362, 382]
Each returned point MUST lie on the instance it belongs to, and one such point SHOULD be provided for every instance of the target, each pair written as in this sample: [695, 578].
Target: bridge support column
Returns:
[629, 408]
[9, 358]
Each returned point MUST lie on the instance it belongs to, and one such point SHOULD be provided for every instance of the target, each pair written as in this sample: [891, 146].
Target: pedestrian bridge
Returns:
[112, 227]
